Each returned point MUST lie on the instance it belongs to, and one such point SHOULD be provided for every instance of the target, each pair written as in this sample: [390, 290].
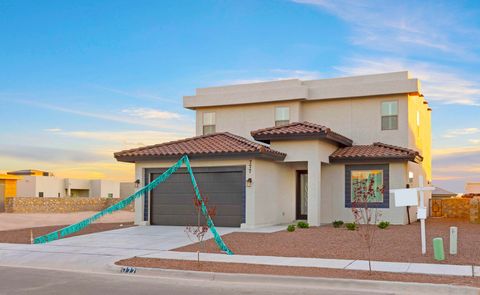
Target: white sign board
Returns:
[422, 213]
[405, 197]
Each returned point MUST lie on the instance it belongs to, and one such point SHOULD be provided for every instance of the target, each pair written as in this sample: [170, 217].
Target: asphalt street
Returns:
[40, 281]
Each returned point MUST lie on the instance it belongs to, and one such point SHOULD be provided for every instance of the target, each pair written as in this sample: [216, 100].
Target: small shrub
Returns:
[303, 224]
[291, 227]
[383, 224]
[337, 223]
[351, 226]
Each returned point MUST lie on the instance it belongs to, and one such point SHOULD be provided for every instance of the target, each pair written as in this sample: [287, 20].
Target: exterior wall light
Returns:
[249, 182]
[137, 183]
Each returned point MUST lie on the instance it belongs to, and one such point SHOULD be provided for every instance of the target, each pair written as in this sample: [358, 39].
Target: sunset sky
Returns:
[81, 80]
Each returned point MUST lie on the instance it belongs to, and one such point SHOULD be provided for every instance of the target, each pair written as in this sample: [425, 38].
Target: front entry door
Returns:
[302, 194]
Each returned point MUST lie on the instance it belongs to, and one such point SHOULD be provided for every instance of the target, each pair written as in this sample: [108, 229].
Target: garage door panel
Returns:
[172, 201]
[176, 209]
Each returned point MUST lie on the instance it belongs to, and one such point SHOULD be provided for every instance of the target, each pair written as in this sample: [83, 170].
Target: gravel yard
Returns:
[396, 243]
[23, 236]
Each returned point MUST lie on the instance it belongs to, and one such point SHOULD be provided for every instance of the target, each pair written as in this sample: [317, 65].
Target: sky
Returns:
[80, 80]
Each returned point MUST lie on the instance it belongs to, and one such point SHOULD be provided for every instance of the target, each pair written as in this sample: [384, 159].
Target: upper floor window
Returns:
[389, 115]
[208, 123]
[282, 116]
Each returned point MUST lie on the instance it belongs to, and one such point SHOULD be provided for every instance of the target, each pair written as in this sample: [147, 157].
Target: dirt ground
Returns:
[396, 243]
[10, 221]
[23, 236]
[295, 271]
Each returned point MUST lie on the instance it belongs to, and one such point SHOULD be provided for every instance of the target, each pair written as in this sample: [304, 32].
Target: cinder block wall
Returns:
[59, 205]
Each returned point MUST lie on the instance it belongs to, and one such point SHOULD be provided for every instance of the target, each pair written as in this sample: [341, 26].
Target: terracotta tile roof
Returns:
[300, 130]
[212, 145]
[376, 151]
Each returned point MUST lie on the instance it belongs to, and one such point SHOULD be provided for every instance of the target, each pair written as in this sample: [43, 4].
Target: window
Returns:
[110, 195]
[208, 123]
[40, 194]
[361, 180]
[282, 116]
[389, 115]
[358, 178]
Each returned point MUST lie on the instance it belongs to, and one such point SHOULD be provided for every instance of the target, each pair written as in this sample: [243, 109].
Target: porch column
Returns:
[314, 192]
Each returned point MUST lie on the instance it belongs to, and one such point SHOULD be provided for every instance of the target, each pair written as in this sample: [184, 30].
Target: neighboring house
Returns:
[8, 188]
[472, 188]
[274, 152]
[126, 189]
[30, 172]
[55, 187]
[440, 193]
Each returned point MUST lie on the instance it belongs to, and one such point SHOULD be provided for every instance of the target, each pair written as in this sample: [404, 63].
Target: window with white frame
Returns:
[282, 116]
[208, 123]
[389, 115]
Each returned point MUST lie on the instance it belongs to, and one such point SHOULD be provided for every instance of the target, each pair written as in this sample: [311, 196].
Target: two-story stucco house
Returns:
[274, 152]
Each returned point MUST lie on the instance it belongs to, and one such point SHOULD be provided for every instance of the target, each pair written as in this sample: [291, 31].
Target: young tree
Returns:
[364, 192]
[196, 233]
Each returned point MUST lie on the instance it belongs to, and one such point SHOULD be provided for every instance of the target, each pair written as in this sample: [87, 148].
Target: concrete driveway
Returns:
[96, 251]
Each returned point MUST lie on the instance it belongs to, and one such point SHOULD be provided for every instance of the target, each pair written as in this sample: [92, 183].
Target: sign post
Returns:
[409, 197]
[422, 215]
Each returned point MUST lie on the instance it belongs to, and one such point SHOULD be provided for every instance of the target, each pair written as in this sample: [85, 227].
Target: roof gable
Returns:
[205, 146]
[299, 131]
[377, 151]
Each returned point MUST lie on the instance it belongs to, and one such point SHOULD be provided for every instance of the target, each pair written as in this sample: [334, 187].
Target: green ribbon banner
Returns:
[125, 202]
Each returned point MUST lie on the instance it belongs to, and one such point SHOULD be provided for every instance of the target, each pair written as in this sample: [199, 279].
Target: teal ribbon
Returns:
[125, 202]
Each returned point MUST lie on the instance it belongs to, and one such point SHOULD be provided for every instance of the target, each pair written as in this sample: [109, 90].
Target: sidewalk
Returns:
[394, 267]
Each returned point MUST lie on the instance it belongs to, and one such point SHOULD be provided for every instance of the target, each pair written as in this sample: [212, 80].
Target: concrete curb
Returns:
[330, 283]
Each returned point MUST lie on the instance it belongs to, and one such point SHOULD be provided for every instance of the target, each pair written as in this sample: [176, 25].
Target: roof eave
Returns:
[372, 159]
[308, 136]
[238, 155]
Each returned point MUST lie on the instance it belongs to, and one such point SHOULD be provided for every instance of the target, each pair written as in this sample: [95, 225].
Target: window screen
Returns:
[282, 116]
[389, 115]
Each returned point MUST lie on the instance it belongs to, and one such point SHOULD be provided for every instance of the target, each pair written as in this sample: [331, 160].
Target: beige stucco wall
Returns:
[356, 118]
[420, 136]
[101, 188]
[243, 119]
[274, 193]
[359, 118]
[333, 194]
[31, 186]
[283, 90]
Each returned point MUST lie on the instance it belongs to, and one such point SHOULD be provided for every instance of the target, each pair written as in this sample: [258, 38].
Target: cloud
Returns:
[48, 155]
[439, 83]
[126, 139]
[114, 117]
[148, 113]
[452, 167]
[52, 129]
[273, 75]
[474, 141]
[138, 94]
[444, 152]
[405, 26]
[451, 133]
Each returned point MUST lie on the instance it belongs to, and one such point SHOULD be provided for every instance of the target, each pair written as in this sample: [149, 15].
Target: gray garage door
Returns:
[171, 202]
